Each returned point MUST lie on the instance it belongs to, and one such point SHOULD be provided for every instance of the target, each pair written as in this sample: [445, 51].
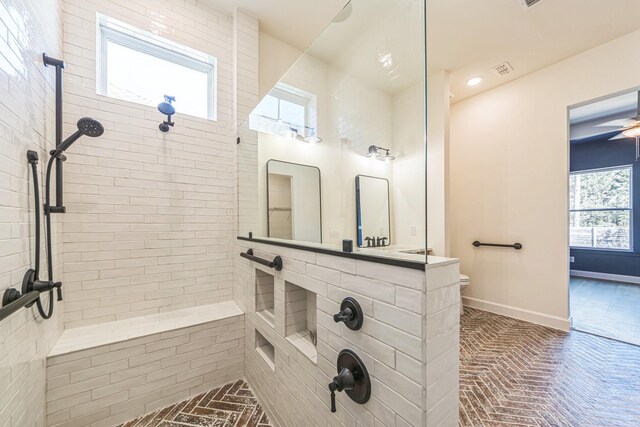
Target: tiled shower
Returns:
[158, 305]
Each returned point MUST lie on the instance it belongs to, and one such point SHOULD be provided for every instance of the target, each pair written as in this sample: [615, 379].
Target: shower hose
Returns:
[36, 193]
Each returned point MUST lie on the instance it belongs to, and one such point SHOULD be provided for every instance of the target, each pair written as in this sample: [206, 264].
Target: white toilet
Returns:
[464, 282]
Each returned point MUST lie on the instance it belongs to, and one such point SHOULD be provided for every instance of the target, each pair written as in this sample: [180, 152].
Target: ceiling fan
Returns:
[629, 128]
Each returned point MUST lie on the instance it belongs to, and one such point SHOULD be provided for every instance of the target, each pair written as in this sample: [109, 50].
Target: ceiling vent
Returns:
[527, 4]
[503, 69]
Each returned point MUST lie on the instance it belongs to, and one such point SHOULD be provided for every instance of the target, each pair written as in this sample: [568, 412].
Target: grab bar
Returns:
[11, 307]
[276, 263]
[516, 246]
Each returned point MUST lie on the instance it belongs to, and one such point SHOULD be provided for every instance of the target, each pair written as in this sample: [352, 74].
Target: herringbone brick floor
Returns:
[517, 373]
[232, 405]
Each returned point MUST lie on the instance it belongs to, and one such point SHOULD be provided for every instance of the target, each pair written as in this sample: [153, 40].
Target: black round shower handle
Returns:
[353, 378]
[350, 313]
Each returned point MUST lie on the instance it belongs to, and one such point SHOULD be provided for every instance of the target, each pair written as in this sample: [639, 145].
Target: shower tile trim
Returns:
[87, 337]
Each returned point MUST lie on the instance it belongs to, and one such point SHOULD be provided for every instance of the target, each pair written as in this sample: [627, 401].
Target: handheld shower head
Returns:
[90, 127]
[86, 126]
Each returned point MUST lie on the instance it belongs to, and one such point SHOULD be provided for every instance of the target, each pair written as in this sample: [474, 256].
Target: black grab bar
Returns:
[276, 263]
[11, 307]
[516, 246]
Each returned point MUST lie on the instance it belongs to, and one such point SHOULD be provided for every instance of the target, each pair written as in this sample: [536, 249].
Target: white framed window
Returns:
[137, 66]
[600, 209]
[285, 109]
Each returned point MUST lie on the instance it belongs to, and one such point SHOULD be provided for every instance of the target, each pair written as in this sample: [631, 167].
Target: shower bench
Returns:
[105, 374]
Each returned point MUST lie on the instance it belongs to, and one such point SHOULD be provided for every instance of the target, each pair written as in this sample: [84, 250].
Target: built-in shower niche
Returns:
[265, 296]
[300, 317]
[265, 350]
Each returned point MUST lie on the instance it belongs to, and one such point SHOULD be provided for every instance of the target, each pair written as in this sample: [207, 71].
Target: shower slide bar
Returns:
[516, 246]
[23, 301]
[276, 263]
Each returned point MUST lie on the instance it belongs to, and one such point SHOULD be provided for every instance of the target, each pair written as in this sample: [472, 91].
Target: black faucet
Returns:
[368, 240]
[382, 241]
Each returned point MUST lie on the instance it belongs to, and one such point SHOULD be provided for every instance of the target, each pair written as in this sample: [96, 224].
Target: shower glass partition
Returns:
[353, 104]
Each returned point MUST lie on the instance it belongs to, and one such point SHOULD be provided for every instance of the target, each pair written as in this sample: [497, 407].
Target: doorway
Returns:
[604, 216]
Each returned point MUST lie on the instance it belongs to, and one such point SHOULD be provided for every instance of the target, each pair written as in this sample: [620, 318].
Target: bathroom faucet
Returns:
[368, 240]
[382, 241]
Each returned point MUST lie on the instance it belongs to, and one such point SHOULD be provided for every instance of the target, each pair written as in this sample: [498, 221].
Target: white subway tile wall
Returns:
[28, 28]
[150, 215]
[442, 343]
[394, 342]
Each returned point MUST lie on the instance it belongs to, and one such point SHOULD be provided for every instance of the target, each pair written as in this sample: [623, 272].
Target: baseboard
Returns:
[518, 313]
[605, 276]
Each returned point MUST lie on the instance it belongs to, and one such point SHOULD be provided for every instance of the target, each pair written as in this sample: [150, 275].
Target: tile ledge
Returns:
[437, 261]
[87, 337]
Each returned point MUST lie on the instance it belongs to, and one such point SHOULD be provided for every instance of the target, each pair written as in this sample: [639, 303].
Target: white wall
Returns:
[438, 146]
[27, 122]
[409, 167]
[150, 216]
[509, 171]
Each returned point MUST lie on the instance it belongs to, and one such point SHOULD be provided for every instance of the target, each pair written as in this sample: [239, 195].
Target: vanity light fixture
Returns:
[376, 152]
[474, 81]
[293, 134]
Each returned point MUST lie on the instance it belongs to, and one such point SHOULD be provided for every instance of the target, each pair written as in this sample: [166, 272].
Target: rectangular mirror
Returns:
[294, 202]
[373, 211]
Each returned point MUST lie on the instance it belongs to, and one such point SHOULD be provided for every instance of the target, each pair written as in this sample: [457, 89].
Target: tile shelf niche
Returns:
[266, 350]
[300, 318]
[265, 296]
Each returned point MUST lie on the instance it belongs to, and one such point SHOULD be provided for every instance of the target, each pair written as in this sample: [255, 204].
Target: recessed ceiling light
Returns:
[474, 81]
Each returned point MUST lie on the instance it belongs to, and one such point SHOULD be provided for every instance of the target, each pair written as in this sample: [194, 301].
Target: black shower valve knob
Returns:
[344, 381]
[343, 316]
[350, 313]
[58, 286]
[353, 378]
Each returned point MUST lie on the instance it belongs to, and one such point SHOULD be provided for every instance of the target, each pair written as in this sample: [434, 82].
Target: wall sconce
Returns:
[292, 133]
[380, 153]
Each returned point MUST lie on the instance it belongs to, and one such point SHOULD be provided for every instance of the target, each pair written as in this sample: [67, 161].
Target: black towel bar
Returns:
[12, 303]
[276, 263]
[516, 246]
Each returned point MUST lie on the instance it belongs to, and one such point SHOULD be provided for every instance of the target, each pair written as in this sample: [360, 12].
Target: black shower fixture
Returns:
[353, 378]
[350, 313]
[31, 282]
[169, 110]
[86, 127]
